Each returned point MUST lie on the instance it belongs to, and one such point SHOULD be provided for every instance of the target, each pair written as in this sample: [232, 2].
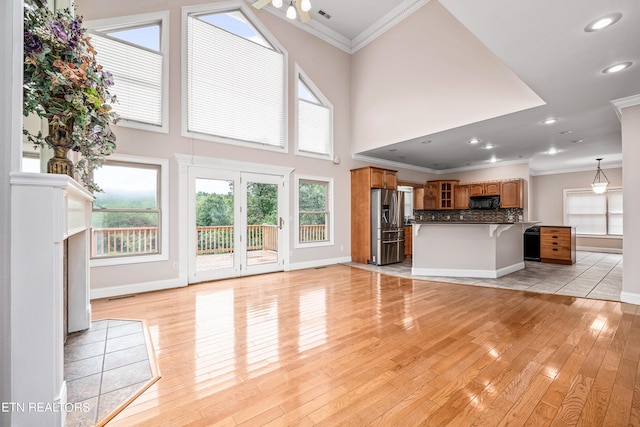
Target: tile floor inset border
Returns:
[106, 368]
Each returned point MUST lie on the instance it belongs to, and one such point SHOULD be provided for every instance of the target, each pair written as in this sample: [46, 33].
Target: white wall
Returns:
[10, 131]
[426, 75]
[631, 176]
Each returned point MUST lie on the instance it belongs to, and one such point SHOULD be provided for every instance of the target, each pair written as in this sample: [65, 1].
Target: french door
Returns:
[236, 224]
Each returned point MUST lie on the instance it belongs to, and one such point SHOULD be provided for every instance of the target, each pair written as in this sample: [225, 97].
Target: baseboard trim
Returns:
[137, 288]
[630, 297]
[481, 274]
[317, 263]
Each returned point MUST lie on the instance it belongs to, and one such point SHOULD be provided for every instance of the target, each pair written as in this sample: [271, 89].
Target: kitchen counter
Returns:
[467, 249]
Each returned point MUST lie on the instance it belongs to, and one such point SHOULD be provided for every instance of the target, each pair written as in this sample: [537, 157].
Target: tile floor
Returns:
[104, 366]
[594, 275]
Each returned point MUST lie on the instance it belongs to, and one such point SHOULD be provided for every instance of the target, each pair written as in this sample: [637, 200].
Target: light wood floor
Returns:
[346, 346]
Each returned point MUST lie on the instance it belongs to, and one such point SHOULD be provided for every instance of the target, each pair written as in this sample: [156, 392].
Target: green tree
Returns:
[214, 209]
[312, 199]
[262, 203]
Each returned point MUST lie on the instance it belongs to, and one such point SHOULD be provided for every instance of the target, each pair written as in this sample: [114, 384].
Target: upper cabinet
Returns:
[418, 198]
[440, 194]
[383, 178]
[461, 196]
[484, 189]
[452, 195]
[512, 194]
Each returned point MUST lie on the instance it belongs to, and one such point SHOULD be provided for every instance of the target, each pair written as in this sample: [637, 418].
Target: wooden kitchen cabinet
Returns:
[444, 194]
[558, 244]
[418, 198]
[431, 195]
[461, 196]
[407, 241]
[383, 178]
[484, 189]
[362, 181]
[511, 194]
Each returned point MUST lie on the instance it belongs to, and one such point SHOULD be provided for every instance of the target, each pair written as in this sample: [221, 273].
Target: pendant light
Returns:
[291, 11]
[277, 3]
[598, 185]
[305, 5]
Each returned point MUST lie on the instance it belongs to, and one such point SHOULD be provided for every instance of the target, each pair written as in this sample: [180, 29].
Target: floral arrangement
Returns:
[63, 83]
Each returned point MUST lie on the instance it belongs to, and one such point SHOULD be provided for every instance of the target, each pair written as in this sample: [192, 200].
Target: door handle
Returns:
[281, 223]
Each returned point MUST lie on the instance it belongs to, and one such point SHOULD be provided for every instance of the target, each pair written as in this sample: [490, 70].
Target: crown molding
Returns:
[385, 23]
[391, 163]
[629, 101]
[336, 39]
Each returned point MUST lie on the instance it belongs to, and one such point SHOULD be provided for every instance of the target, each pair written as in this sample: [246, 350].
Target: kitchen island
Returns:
[467, 249]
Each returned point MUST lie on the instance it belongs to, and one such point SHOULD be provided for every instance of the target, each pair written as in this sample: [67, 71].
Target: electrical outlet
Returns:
[448, 217]
[461, 217]
[175, 265]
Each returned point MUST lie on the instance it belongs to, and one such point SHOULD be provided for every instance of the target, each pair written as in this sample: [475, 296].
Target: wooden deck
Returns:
[216, 261]
[345, 346]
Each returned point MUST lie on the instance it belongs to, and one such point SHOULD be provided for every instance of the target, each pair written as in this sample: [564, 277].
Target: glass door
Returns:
[263, 223]
[213, 218]
[236, 225]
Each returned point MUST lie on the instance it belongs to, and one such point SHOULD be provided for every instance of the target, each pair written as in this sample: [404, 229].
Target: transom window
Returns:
[315, 120]
[235, 81]
[594, 214]
[132, 49]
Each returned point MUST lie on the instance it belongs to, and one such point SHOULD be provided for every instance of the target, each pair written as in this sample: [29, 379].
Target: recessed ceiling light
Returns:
[552, 151]
[549, 121]
[577, 141]
[617, 67]
[565, 132]
[426, 141]
[393, 149]
[489, 146]
[603, 22]
[474, 141]
[493, 159]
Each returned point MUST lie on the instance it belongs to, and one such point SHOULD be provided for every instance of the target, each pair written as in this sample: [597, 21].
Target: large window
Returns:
[235, 81]
[315, 120]
[314, 204]
[134, 50]
[127, 219]
[408, 200]
[594, 214]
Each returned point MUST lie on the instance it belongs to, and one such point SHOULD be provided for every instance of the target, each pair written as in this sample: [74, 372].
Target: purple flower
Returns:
[57, 30]
[107, 78]
[32, 43]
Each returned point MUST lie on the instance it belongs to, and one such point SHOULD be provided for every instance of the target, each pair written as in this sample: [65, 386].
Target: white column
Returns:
[628, 110]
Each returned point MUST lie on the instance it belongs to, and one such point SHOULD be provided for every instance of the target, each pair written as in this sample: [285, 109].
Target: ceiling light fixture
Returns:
[577, 141]
[617, 67]
[604, 22]
[474, 141]
[493, 159]
[291, 11]
[489, 146]
[549, 121]
[296, 8]
[552, 151]
[598, 185]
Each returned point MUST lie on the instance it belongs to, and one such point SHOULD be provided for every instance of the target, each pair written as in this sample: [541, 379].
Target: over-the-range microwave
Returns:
[484, 202]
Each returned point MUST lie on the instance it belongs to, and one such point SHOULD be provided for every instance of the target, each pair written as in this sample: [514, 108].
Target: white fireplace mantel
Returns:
[46, 210]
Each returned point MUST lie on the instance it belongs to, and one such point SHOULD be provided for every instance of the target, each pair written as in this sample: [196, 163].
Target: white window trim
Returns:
[164, 214]
[565, 221]
[299, 74]
[330, 241]
[218, 7]
[110, 24]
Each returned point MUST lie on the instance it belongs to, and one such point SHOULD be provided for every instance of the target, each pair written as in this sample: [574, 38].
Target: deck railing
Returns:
[123, 241]
[209, 240]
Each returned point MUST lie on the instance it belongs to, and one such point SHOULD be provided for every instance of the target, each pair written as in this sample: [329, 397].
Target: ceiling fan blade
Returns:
[259, 4]
[304, 16]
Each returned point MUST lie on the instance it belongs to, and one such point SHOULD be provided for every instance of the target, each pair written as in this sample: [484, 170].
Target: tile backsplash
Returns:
[470, 215]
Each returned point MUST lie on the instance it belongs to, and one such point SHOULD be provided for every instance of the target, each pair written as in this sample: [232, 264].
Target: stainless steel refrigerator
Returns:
[387, 226]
